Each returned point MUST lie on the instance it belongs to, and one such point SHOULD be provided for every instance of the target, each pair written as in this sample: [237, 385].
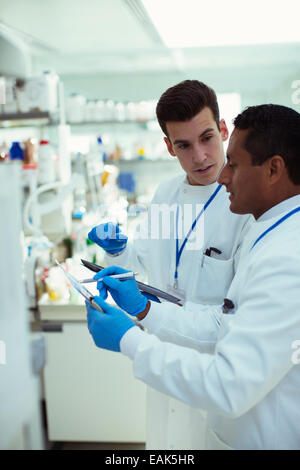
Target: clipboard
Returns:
[142, 287]
[80, 288]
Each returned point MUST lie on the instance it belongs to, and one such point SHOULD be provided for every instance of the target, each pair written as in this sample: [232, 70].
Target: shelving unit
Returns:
[105, 123]
[25, 119]
[49, 119]
[24, 116]
[46, 119]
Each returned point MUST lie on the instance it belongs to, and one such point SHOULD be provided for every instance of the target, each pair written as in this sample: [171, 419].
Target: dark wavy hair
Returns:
[273, 130]
[183, 101]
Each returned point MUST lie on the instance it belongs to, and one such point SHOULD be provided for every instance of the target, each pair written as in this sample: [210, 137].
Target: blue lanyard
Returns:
[286, 216]
[179, 251]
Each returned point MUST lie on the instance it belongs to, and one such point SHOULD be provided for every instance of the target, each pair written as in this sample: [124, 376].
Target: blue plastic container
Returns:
[16, 152]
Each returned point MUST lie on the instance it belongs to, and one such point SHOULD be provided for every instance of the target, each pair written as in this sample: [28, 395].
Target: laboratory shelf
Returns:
[25, 119]
[111, 122]
[49, 119]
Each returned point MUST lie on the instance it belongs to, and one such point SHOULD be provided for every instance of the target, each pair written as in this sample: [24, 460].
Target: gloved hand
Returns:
[108, 327]
[126, 294]
[109, 237]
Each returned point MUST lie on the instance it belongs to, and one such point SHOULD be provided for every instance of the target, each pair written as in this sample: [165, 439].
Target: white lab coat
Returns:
[170, 423]
[250, 384]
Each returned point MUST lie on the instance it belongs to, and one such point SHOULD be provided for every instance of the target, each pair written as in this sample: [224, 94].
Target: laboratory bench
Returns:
[91, 394]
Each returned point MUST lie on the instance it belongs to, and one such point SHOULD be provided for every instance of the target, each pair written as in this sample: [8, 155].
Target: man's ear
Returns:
[224, 131]
[169, 147]
[276, 168]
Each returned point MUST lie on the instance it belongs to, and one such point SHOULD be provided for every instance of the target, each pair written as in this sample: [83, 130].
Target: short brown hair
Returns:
[183, 101]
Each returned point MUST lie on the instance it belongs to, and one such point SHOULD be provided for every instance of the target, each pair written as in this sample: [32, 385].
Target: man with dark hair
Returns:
[266, 130]
[183, 101]
[197, 271]
[181, 112]
[237, 361]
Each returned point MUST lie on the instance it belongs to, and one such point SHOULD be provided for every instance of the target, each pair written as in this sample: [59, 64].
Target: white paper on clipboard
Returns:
[80, 288]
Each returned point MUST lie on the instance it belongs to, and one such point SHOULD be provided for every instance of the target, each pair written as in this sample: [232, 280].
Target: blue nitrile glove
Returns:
[126, 294]
[108, 327]
[109, 237]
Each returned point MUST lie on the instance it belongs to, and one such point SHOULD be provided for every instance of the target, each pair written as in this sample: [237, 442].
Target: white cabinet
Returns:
[91, 394]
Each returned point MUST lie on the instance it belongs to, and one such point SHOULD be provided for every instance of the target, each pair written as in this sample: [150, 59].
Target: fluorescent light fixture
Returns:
[198, 23]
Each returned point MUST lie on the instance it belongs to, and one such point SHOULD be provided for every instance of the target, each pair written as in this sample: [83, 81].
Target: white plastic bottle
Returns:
[46, 164]
[75, 108]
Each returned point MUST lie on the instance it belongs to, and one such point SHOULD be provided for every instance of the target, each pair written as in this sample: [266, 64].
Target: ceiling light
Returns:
[197, 23]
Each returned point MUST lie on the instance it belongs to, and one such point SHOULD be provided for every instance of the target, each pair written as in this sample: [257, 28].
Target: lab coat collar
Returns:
[280, 208]
[200, 193]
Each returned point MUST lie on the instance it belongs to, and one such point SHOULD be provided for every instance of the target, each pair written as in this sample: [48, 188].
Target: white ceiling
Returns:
[78, 37]
[78, 26]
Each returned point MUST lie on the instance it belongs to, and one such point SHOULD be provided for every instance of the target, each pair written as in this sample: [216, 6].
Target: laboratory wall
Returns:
[267, 79]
